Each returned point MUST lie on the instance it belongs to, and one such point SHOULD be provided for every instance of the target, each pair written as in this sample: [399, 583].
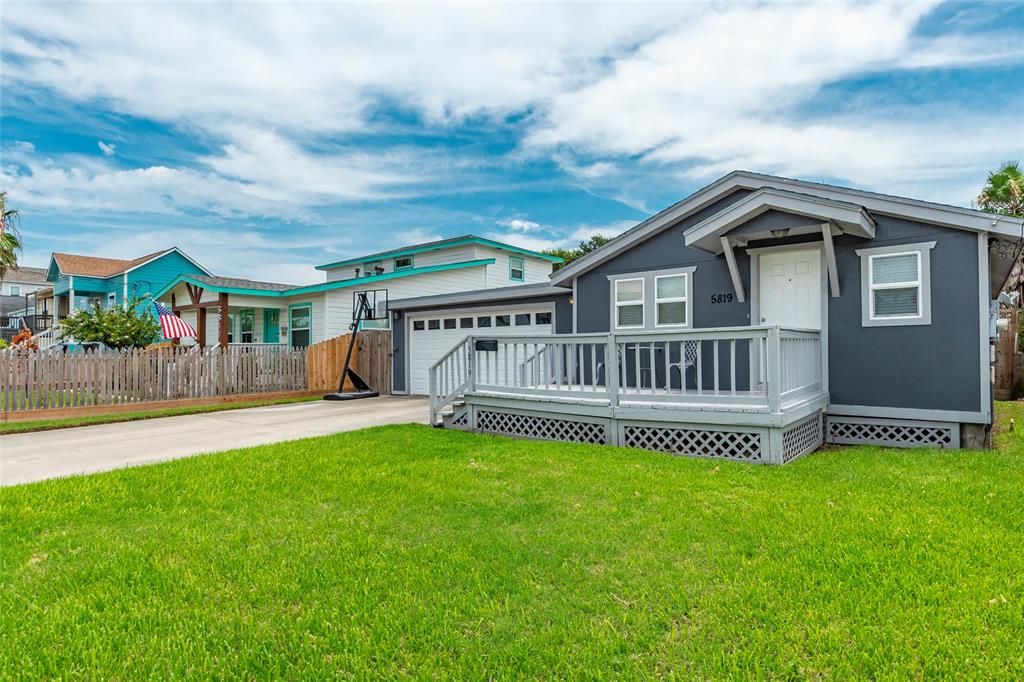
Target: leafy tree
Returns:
[129, 326]
[10, 238]
[1004, 191]
[585, 247]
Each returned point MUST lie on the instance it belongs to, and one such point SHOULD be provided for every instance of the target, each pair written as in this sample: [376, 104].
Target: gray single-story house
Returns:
[755, 320]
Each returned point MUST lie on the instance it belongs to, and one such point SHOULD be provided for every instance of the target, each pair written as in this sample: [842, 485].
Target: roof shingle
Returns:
[93, 266]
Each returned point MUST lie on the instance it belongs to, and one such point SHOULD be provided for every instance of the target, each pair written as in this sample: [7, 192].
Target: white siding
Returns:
[536, 269]
[339, 301]
[25, 288]
[456, 254]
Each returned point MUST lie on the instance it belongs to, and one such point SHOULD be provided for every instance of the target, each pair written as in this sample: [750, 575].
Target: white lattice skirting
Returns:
[739, 445]
[893, 433]
[544, 428]
[802, 437]
[759, 444]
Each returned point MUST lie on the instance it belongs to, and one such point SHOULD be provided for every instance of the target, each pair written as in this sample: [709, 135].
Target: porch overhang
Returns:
[713, 235]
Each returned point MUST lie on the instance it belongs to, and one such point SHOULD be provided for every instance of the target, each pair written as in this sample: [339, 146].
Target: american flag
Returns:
[172, 326]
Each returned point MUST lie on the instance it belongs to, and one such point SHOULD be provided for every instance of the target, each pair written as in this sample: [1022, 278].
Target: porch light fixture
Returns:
[780, 233]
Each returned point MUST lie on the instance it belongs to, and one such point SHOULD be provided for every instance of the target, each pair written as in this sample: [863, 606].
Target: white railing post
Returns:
[774, 370]
[611, 370]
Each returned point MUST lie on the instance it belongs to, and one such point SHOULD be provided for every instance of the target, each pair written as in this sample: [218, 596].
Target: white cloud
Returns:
[417, 235]
[107, 149]
[674, 91]
[519, 224]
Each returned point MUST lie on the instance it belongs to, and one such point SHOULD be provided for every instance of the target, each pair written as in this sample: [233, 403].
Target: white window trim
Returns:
[650, 293]
[685, 298]
[12, 290]
[642, 303]
[923, 285]
[909, 284]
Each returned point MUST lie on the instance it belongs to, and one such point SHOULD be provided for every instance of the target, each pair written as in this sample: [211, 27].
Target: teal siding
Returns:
[155, 275]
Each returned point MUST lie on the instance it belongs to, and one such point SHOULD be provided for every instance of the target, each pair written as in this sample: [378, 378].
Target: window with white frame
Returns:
[516, 269]
[896, 285]
[15, 290]
[671, 307]
[629, 303]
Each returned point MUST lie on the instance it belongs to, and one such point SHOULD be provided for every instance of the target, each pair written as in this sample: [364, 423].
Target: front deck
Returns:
[751, 393]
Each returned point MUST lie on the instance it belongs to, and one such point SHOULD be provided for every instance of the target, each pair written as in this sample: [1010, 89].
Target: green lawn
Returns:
[70, 422]
[414, 551]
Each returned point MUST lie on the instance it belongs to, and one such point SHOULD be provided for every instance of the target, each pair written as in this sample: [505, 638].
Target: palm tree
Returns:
[1004, 191]
[10, 239]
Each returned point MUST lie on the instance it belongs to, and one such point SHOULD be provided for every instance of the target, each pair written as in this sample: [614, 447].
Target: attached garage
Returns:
[432, 335]
[424, 329]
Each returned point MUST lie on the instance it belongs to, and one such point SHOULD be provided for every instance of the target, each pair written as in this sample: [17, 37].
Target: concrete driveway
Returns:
[84, 450]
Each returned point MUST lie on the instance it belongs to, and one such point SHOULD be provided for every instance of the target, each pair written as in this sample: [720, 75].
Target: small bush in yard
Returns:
[129, 326]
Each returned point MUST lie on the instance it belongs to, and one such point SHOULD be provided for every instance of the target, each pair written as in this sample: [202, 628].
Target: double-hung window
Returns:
[516, 269]
[671, 307]
[896, 285]
[246, 324]
[629, 303]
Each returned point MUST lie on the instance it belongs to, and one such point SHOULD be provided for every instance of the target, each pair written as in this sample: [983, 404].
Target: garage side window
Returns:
[895, 290]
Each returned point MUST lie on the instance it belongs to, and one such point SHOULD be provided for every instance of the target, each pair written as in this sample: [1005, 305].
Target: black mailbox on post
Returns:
[487, 344]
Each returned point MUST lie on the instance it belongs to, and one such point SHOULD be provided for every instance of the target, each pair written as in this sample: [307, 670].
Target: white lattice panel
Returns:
[544, 428]
[739, 445]
[892, 434]
[802, 437]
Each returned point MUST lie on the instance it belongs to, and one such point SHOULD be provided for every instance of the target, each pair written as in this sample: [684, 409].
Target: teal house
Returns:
[85, 281]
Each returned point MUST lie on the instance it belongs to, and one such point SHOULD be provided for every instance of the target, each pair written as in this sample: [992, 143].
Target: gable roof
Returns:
[434, 246]
[94, 266]
[852, 218]
[25, 275]
[955, 217]
[250, 287]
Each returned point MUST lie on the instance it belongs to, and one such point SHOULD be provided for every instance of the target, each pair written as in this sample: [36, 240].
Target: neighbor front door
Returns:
[790, 288]
[271, 325]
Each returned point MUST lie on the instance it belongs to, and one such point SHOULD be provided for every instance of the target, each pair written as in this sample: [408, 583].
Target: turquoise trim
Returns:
[446, 245]
[307, 304]
[521, 268]
[326, 286]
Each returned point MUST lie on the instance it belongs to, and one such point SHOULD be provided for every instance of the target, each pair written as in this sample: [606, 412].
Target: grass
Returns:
[410, 551]
[69, 422]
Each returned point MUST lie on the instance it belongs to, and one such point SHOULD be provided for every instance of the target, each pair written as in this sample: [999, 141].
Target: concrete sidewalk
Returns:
[87, 449]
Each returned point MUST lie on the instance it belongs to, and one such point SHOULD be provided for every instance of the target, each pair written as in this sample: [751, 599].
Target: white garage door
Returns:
[431, 336]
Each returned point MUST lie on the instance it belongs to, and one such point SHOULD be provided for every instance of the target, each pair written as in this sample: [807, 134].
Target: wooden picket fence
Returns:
[53, 379]
[37, 380]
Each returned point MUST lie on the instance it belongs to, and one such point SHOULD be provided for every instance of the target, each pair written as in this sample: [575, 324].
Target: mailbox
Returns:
[487, 344]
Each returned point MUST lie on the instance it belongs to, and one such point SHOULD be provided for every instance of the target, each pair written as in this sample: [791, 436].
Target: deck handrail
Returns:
[449, 377]
[762, 367]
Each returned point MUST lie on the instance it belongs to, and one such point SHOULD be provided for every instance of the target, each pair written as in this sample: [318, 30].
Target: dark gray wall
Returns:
[934, 366]
[663, 251]
[563, 325]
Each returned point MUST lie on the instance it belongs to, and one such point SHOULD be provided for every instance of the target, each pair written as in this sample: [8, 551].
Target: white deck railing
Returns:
[760, 367]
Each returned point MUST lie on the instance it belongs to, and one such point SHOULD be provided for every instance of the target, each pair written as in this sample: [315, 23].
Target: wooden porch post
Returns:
[201, 327]
[223, 338]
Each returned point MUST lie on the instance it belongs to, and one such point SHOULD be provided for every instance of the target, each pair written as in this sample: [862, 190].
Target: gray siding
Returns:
[399, 357]
[932, 367]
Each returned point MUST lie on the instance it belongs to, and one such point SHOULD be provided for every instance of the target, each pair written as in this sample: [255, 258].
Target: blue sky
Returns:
[268, 139]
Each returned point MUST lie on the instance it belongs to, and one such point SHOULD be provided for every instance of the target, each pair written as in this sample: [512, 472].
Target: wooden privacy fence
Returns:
[54, 379]
[1007, 358]
[371, 358]
[34, 380]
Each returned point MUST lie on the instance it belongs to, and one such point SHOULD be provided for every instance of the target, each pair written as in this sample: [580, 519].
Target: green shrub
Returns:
[129, 326]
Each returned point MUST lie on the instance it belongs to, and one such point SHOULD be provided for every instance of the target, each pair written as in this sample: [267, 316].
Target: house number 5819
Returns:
[721, 298]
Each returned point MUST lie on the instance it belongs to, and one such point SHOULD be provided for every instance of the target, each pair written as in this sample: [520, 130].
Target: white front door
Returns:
[790, 289]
